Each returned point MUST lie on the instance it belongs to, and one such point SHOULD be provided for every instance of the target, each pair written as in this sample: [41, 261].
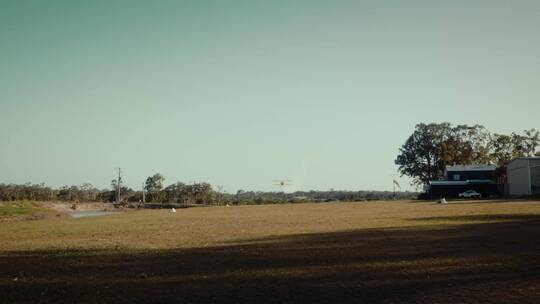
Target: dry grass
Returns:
[197, 227]
[376, 252]
[14, 211]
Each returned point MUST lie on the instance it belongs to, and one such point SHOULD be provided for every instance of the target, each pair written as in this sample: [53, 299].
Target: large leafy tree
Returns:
[175, 193]
[426, 151]
[503, 148]
[433, 146]
[532, 142]
[153, 186]
[470, 145]
[202, 193]
[154, 183]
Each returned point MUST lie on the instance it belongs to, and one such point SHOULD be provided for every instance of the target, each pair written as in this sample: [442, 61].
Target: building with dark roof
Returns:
[460, 178]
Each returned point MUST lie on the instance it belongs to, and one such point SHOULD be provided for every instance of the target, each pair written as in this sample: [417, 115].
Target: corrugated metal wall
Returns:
[518, 177]
[535, 176]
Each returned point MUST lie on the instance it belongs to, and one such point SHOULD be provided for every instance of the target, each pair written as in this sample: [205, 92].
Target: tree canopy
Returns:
[432, 147]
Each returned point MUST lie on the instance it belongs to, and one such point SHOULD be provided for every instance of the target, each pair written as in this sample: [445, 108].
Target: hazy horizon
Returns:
[240, 93]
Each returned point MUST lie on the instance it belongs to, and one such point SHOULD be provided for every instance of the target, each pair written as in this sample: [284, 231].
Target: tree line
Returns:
[432, 147]
[40, 192]
[197, 193]
[261, 197]
[182, 194]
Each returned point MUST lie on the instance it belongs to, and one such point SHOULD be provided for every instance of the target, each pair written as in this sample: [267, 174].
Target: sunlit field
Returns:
[374, 252]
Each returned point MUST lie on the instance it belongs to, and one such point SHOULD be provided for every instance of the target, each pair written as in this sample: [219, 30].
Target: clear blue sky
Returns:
[239, 93]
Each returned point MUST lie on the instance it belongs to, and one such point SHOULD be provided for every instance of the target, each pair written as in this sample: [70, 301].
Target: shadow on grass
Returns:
[482, 218]
[481, 263]
[486, 200]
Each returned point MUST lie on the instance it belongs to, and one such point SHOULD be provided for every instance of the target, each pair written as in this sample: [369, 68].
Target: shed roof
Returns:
[527, 158]
[471, 168]
[460, 183]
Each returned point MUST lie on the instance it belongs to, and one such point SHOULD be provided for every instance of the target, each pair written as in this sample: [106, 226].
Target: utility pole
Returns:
[393, 187]
[143, 195]
[394, 184]
[119, 181]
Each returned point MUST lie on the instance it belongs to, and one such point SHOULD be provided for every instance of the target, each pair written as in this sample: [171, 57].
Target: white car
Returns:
[470, 194]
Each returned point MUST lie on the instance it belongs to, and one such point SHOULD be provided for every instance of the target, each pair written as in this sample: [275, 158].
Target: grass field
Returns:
[14, 211]
[376, 252]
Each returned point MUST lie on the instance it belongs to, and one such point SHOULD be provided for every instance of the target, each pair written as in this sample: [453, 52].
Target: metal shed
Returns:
[524, 176]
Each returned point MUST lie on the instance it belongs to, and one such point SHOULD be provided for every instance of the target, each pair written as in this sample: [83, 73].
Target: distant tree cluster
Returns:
[179, 193]
[183, 194]
[259, 197]
[40, 192]
[433, 146]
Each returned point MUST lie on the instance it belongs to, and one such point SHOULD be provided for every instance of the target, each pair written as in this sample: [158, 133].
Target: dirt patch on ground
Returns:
[29, 210]
[70, 207]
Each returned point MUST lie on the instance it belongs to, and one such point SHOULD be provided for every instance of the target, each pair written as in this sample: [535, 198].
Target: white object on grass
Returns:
[173, 210]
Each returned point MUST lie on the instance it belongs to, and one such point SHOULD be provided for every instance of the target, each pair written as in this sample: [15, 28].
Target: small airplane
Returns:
[282, 182]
